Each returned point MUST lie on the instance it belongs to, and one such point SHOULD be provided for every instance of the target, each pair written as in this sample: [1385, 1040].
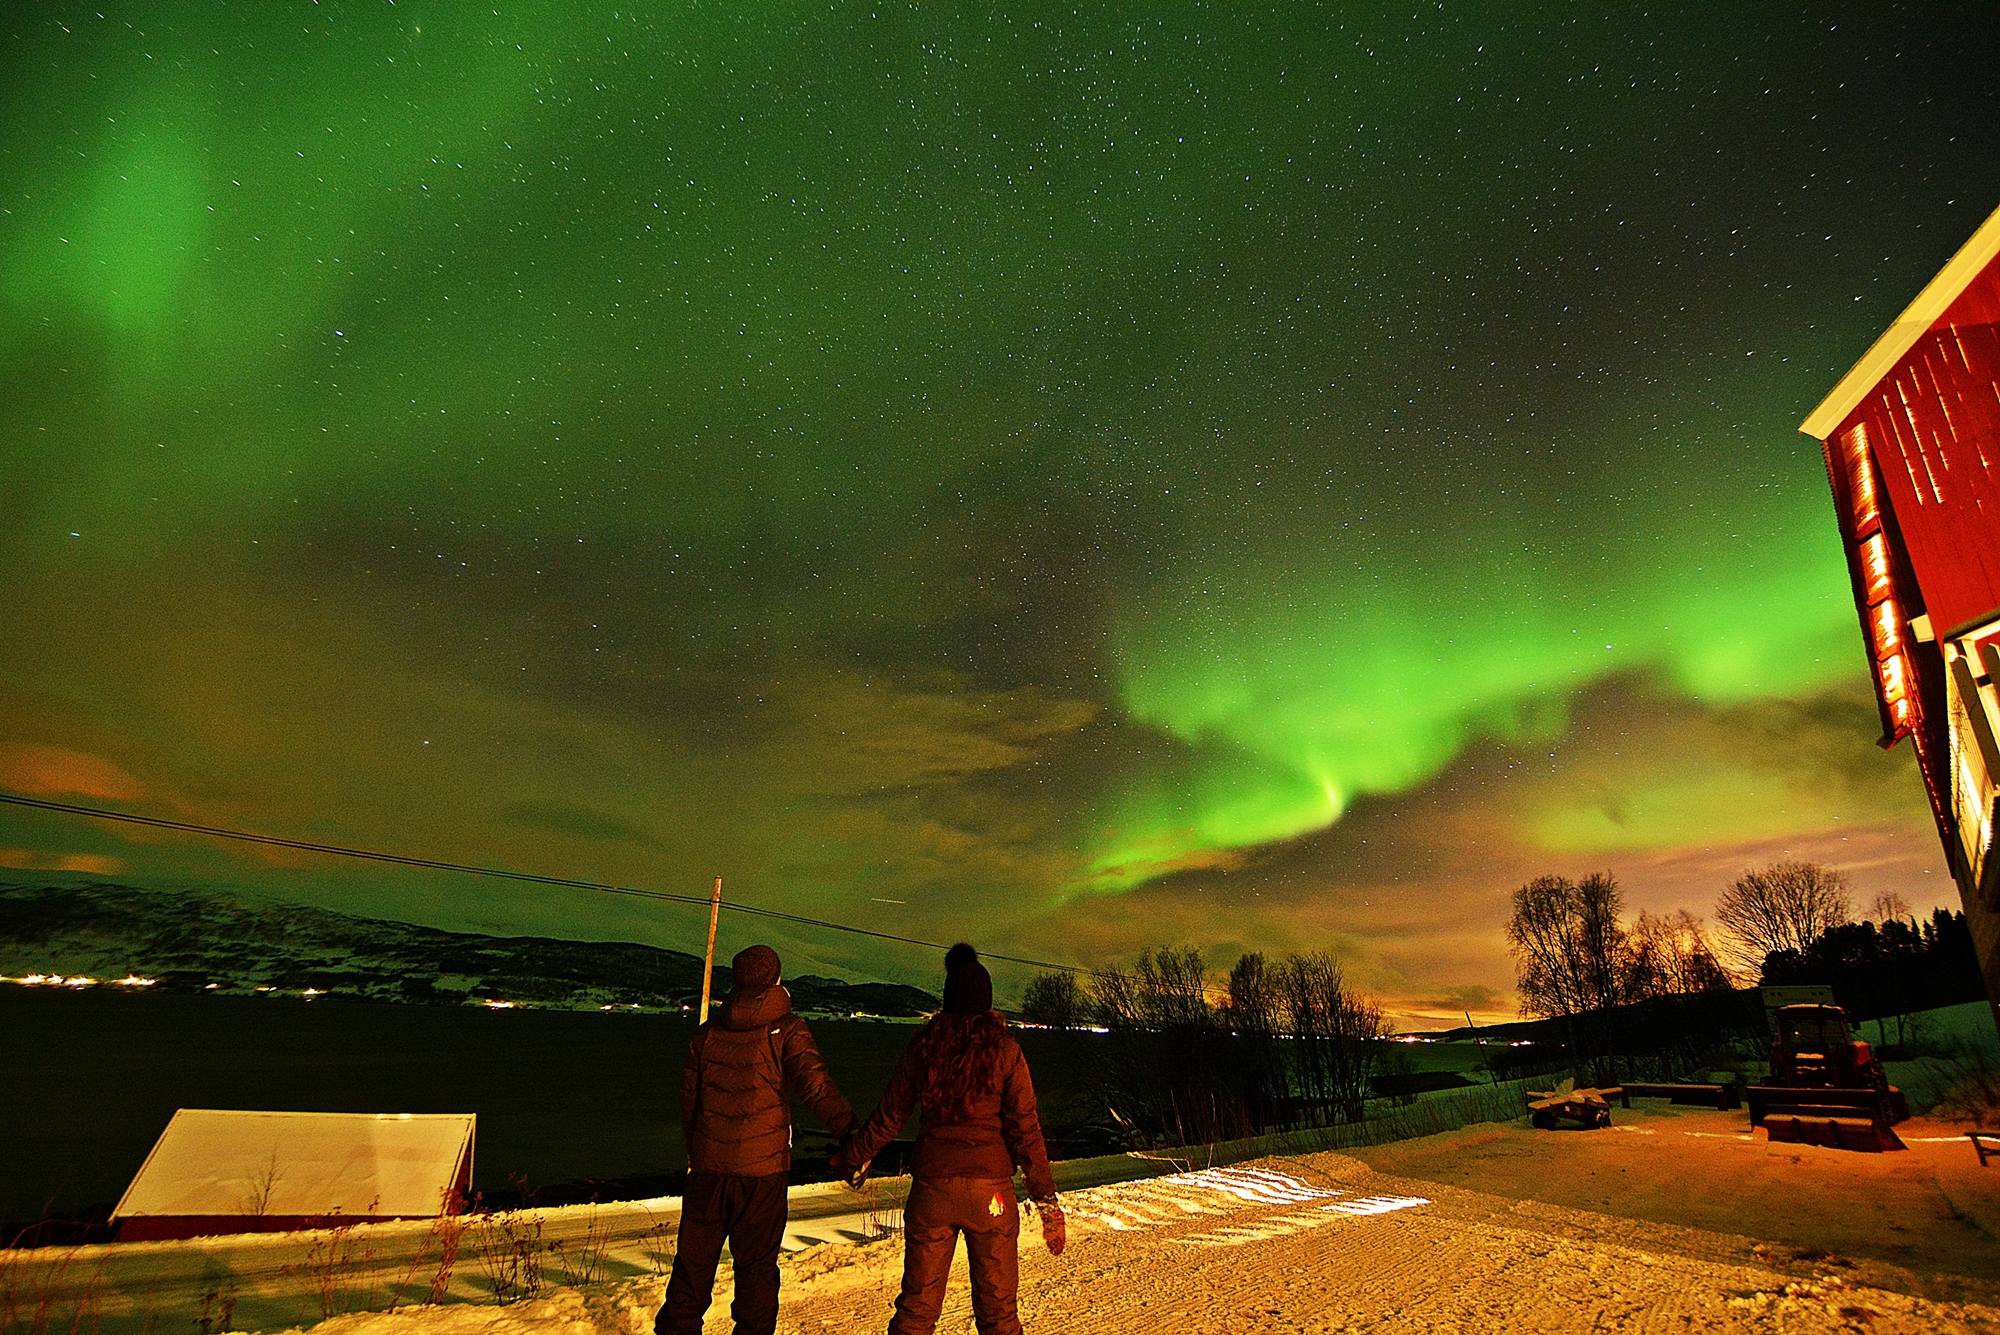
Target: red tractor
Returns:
[1826, 1087]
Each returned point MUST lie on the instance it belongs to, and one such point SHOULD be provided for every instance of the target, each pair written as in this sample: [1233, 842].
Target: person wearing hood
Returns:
[979, 1124]
[736, 1117]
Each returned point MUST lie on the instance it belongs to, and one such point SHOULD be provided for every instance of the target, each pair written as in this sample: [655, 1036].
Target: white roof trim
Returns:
[1910, 326]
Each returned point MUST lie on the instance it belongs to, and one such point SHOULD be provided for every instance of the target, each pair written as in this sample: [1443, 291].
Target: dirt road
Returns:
[1925, 1219]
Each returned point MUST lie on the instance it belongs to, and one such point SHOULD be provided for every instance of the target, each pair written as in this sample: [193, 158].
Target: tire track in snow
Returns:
[1161, 1201]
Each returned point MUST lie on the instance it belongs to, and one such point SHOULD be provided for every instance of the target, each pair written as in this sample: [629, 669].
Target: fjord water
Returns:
[93, 1076]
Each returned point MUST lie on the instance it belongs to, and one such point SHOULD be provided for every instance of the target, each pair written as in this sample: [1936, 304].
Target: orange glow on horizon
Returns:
[55, 771]
[90, 864]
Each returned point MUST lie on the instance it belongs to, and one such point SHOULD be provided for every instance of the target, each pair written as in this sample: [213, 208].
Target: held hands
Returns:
[854, 1175]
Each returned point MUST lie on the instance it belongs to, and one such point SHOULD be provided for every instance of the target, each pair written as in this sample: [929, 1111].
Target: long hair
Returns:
[961, 1057]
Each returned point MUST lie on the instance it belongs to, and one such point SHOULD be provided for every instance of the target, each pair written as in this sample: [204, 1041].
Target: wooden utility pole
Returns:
[708, 959]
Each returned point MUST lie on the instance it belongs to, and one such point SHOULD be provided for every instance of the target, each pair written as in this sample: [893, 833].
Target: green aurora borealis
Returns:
[1069, 478]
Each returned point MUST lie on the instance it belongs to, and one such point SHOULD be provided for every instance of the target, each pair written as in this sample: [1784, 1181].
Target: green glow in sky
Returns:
[931, 466]
[1301, 689]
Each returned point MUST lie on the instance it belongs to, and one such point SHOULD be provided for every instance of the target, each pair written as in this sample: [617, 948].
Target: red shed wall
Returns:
[1934, 426]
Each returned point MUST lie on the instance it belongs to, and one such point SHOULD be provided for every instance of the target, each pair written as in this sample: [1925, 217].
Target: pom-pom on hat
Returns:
[756, 967]
[968, 988]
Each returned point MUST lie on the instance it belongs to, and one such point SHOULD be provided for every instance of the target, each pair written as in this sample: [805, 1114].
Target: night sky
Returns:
[1074, 479]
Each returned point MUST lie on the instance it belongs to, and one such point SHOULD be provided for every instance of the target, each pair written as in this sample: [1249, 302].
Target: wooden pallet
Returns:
[1588, 1108]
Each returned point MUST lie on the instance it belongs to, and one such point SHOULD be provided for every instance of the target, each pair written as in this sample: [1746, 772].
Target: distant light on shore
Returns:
[77, 980]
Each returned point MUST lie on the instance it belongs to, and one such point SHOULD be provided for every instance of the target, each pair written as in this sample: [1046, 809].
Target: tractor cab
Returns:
[1814, 1049]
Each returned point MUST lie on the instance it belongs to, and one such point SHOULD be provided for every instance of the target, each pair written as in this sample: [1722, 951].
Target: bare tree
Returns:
[1253, 995]
[1114, 999]
[1055, 1000]
[1289, 1040]
[262, 1185]
[1543, 940]
[1669, 955]
[1888, 907]
[1569, 949]
[1786, 906]
[1602, 939]
[1254, 987]
[1173, 988]
[1169, 1057]
[1335, 1036]
[1356, 1030]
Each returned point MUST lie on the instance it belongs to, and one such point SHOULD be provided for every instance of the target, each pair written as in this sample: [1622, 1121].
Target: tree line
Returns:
[1654, 993]
[1193, 1058]
[1891, 967]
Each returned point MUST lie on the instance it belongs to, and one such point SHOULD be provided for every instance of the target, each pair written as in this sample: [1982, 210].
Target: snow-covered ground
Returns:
[251, 1282]
[571, 1269]
[1317, 1242]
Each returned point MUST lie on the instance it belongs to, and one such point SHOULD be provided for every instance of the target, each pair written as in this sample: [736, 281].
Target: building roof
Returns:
[213, 1162]
[1916, 320]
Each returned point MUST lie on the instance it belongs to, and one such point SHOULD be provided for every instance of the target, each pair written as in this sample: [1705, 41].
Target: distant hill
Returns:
[196, 941]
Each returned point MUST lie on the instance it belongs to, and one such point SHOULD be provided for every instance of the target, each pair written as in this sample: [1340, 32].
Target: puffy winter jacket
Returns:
[1000, 1130]
[736, 1110]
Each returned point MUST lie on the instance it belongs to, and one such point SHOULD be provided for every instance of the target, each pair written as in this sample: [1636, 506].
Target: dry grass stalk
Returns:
[218, 1311]
[657, 1244]
[582, 1260]
[508, 1245]
[30, 1287]
[447, 1229]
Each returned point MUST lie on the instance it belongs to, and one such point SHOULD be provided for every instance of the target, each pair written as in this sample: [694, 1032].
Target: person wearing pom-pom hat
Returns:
[979, 1125]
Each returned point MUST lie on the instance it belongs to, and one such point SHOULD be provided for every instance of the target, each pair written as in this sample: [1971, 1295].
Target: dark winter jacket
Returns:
[736, 1110]
[1000, 1130]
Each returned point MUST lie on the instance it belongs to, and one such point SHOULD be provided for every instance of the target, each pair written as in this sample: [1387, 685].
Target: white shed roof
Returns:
[215, 1162]
[1915, 321]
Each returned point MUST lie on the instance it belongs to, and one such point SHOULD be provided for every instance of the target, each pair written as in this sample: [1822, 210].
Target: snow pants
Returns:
[939, 1209]
[749, 1212]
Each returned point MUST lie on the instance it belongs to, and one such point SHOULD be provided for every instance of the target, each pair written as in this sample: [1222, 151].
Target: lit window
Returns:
[1902, 716]
[1861, 481]
[1875, 567]
[1885, 623]
[1895, 678]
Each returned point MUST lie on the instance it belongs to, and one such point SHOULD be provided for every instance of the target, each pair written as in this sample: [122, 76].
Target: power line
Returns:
[497, 873]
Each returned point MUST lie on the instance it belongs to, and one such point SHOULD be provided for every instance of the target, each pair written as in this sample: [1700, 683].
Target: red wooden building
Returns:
[1912, 443]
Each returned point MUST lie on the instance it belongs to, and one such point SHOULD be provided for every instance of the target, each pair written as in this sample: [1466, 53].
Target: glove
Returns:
[855, 1175]
[838, 1161]
[1055, 1228]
